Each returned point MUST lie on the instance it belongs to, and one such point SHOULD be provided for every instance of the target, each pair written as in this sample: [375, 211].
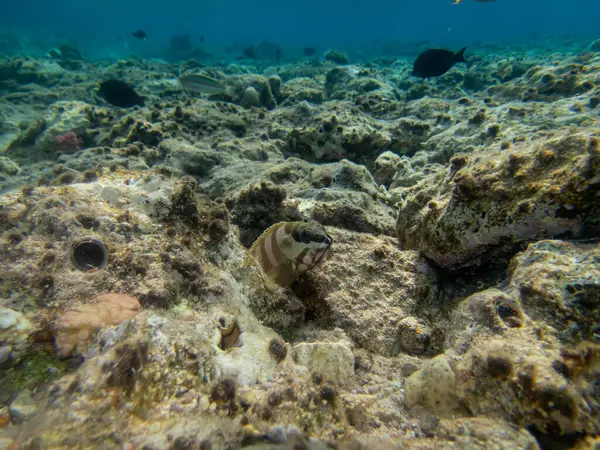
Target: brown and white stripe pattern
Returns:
[288, 249]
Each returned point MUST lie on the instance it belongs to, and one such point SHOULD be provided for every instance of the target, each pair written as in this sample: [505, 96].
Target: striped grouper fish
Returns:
[288, 249]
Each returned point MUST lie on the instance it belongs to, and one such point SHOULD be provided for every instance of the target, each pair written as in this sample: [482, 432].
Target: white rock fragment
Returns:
[22, 407]
[333, 360]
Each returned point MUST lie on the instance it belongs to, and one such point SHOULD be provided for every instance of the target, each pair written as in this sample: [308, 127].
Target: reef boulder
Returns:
[537, 189]
[367, 287]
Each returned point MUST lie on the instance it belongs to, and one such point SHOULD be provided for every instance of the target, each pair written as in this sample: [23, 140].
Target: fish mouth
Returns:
[327, 243]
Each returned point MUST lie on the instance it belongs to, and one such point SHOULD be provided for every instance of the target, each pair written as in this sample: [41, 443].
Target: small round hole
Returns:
[89, 254]
[510, 315]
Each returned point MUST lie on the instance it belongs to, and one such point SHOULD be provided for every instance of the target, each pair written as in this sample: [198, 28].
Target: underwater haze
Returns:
[284, 225]
[97, 25]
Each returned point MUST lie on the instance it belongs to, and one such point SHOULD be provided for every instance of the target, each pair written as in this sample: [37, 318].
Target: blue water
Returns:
[96, 26]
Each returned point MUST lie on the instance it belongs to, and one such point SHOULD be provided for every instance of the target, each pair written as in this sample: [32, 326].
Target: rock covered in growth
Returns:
[549, 82]
[150, 257]
[473, 159]
[345, 195]
[22, 408]
[516, 353]
[514, 377]
[15, 335]
[332, 360]
[534, 190]
[336, 56]
[64, 117]
[558, 282]
[256, 208]
[329, 134]
[342, 194]
[551, 283]
[367, 287]
[386, 166]
[302, 89]
[434, 387]
[484, 433]
[250, 98]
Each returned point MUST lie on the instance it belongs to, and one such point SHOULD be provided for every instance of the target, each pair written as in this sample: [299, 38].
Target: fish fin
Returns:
[460, 55]
[283, 274]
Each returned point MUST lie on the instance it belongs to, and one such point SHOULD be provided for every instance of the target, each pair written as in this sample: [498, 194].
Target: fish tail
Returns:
[460, 55]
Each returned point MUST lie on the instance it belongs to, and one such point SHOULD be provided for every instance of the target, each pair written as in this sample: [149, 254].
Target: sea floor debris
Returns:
[458, 306]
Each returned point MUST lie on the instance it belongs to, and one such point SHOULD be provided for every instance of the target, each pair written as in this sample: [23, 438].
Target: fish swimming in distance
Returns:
[140, 34]
[249, 52]
[118, 93]
[286, 250]
[309, 51]
[201, 84]
[436, 62]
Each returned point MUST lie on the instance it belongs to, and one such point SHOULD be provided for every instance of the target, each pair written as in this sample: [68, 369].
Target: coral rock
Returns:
[332, 360]
[15, 332]
[250, 98]
[536, 190]
[366, 286]
[22, 407]
[434, 387]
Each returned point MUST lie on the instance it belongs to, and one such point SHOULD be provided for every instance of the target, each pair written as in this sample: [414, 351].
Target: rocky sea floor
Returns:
[459, 306]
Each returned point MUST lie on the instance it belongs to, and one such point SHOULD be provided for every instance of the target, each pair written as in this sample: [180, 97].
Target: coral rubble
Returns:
[458, 307]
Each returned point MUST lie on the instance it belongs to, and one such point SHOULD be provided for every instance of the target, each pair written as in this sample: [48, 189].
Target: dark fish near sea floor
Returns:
[249, 53]
[69, 52]
[196, 82]
[140, 34]
[119, 93]
[310, 51]
[436, 62]
[288, 249]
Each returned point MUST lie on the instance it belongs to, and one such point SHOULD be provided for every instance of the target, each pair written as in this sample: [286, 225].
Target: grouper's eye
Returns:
[297, 235]
[307, 236]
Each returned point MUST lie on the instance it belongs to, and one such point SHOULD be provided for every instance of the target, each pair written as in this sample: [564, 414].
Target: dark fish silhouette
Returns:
[249, 53]
[310, 51]
[436, 62]
[120, 94]
[201, 38]
[181, 43]
[68, 52]
[140, 34]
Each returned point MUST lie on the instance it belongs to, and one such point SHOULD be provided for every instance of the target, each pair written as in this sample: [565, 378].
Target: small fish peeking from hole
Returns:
[230, 333]
[286, 250]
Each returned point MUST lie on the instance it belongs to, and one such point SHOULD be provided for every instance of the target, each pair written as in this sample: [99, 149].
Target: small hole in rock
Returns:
[88, 254]
[511, 316]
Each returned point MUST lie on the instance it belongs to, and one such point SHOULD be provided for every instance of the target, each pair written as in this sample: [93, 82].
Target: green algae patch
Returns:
[37, 368]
